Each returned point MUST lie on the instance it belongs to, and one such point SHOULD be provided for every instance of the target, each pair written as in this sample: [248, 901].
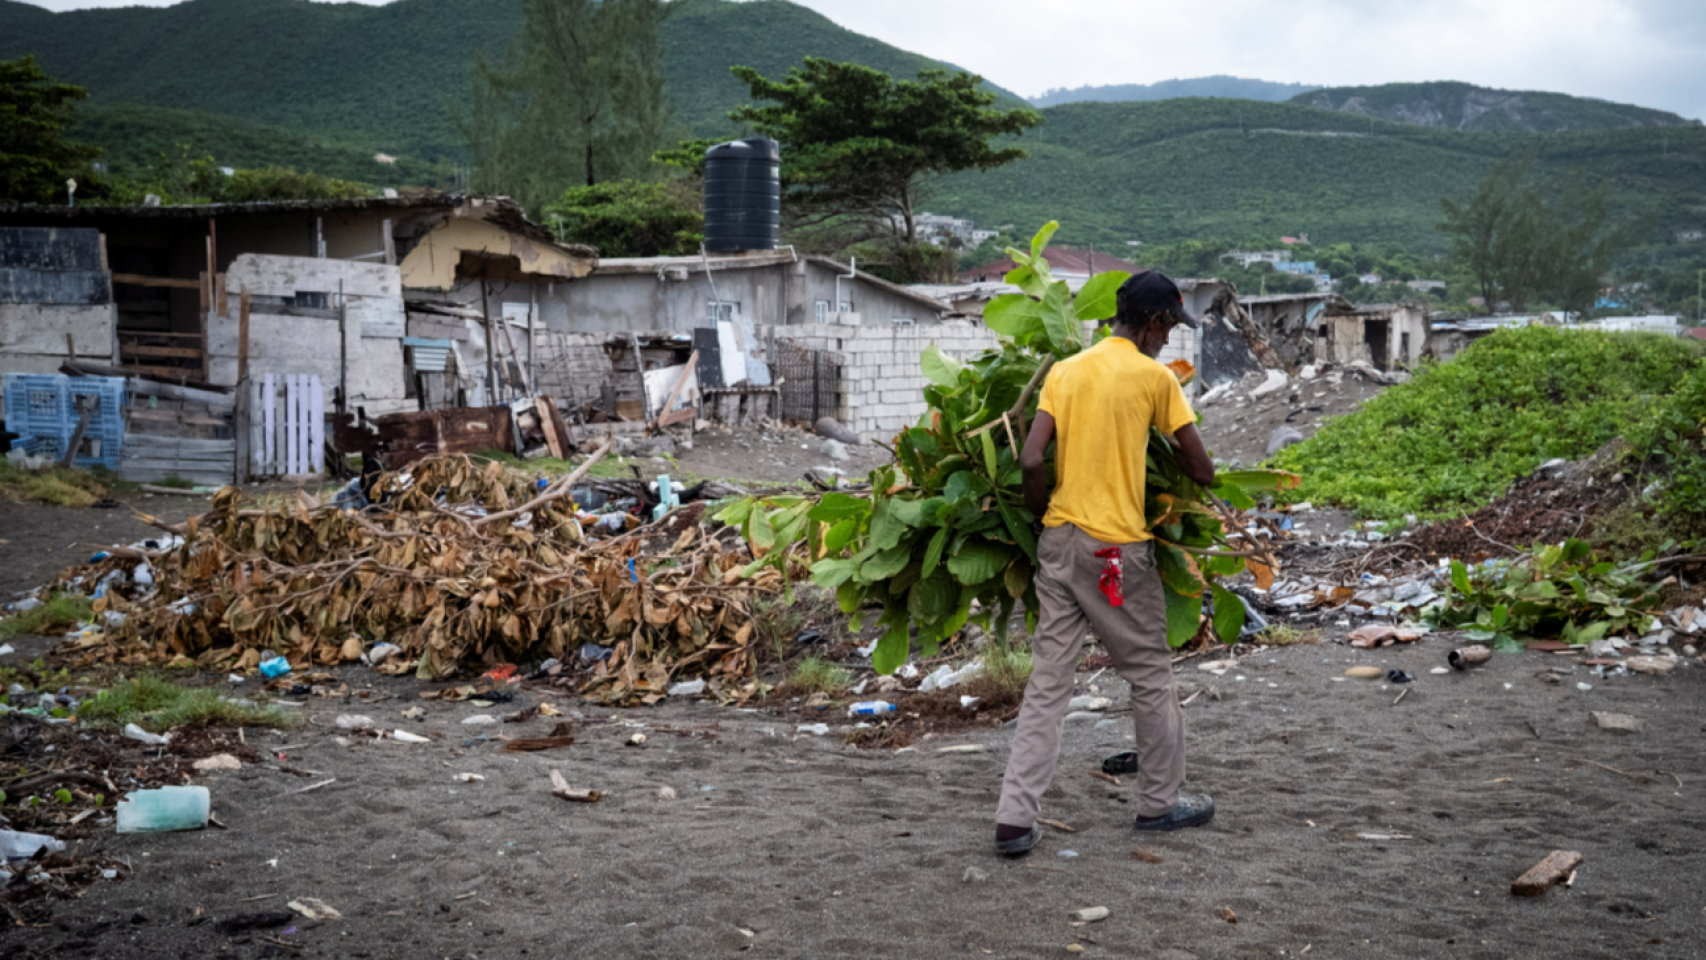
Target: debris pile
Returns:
[459, 566]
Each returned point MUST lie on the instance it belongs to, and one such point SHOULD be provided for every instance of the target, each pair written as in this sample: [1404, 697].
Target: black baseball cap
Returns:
[1153, 292]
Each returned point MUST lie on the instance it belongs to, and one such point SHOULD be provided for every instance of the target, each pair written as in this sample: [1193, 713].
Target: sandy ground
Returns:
[813, 848]
[1238, 428]
[774, 454]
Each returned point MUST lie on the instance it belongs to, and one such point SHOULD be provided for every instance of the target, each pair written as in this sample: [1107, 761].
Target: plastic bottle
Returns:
[168, 808]
[870, 708]
[22, 846]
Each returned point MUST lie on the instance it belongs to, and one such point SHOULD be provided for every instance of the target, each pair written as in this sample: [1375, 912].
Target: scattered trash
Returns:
[16, 846]
[1227, 915]
[1440, 671]
[164, 809]
[666, 793]
[1091, 914]
[219, 761]
[1366, 673]
[560, 788]
[5, 648]
[1068, 854]
[404, 736]
[274, 667]
[1621, 722]
[413, 713]
[966, 702]
[314, 909]
[1584, 687]
[815, 729]
[974, 875]
[562, 735]
[353, 722]
[636, 740]
[134, 732]
[468, 778]
[946, 676]
[871, 708]
[380, 653]
[1548, 873]
[1147, 856]
[1088, 703]
[1399, 676]
[1058, 825]
[1383, 635]
[479, 720]
[1465, 657]
[964, 748]
[1652, 665]
[687, 688]
[1384, 837]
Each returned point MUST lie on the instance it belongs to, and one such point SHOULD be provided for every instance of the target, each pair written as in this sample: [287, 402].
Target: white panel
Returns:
[269, 393]
[316, 431]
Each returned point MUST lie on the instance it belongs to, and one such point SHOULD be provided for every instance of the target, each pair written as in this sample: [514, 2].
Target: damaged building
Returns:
[1304, 328]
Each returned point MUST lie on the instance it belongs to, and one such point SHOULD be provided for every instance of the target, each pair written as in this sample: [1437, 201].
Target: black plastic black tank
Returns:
[743, 195]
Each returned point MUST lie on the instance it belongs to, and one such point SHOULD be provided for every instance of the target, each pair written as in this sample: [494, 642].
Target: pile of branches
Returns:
[462, 566]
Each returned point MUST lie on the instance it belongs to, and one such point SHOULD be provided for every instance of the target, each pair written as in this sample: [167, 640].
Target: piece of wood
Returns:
[243, 335]
[1546, 874]
[680, 383]
[138, 280]
[70, 347]
[240, 429]
[389, 244]
[558, 489]
[530, 744]
[94, 403]
[144, 350]
[548, 424]
[560, 788]
[680, 416]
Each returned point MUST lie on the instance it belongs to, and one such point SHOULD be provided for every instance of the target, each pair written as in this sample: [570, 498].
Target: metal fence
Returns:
[810, 381]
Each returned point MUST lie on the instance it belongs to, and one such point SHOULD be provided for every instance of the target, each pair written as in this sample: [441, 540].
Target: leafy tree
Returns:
[578, 98]
[631, 218]
[185, 176]
[859, 144]
[35, 157]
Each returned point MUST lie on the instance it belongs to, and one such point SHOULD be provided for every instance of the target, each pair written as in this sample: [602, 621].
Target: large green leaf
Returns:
[1096, 299]
[1040, 241]
[939, 368]
[893, 648]
[833, 573]
[886, 530]
[1228, 614]
[932, 599]
[885, 565]
[1177, 571]
[1014, 315]
[978, 561]
[1058, 320]
[840, 506]
[1183, 616]
[933, 553]
[965, 486]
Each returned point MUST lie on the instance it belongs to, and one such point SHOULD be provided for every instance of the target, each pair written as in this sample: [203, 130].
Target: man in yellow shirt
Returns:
[1097, 560]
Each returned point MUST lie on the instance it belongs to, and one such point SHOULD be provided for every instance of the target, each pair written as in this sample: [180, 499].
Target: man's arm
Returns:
[1193, 458]
[1033, 461]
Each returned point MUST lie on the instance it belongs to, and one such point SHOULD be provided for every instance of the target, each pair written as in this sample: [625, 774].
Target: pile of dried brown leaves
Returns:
[464, 567]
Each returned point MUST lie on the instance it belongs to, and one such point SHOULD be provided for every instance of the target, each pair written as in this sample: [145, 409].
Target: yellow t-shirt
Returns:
[1104, 401]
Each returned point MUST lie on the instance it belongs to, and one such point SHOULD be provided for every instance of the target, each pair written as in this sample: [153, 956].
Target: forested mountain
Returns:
[1114, 172]
[1449, 105]
[1219, 85]
[381, 77]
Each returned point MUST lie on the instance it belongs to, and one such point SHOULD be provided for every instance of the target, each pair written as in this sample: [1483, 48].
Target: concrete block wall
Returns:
[881, 389]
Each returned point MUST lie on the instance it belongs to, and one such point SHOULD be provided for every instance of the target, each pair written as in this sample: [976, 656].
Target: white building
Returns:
[1245, 258]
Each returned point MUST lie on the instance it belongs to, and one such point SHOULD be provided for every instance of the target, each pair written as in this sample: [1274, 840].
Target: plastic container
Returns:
[15, 846]
[275, 667]
[870, 708]
[165, 809]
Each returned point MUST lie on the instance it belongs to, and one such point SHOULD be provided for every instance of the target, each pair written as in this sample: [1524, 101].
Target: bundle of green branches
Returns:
[945, 531]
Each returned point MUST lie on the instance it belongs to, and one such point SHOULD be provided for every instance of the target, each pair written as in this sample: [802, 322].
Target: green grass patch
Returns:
[816, 675]
[61, 488]
[1457, 434]
[1008, 666]
[156, 703]
[61, 612]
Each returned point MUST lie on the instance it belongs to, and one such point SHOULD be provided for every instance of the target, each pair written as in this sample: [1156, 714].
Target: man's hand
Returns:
[1034, 463]
[1193, 457]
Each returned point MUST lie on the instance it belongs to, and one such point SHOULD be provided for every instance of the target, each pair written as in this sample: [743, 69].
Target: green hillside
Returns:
[1219, 85]
[381, 77]
[1450, 105]
[1176, 169]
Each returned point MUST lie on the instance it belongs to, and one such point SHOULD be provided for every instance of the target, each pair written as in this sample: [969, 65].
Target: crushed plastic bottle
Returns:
[274, 667]
[687, 688]
[164, 809]
[15, 846]
[870, 708]
[135, 732]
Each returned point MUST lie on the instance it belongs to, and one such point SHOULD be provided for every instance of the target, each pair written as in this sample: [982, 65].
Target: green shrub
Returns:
[1457, 434]
[62, 611]
[158, 704]
[1671, 446]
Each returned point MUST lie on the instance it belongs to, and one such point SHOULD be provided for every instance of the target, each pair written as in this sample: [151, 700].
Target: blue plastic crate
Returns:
[36, 404]
[44, 407]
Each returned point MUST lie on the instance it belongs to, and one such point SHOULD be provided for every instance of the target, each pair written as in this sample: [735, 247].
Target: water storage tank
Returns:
[743, 195]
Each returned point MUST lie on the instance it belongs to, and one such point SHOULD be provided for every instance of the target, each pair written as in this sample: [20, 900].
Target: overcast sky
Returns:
[1646, 52]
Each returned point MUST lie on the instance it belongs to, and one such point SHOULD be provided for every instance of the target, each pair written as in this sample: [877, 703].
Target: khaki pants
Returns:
[1135, 636]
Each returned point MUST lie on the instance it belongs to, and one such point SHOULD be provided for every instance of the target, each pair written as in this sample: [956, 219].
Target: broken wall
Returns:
[55, 298]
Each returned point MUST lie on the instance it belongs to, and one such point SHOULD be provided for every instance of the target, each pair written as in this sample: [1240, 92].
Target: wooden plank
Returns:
[141, 281]
[162, 334]
[214, 401]
[269, 401]
[243, 335]
[192, 374]
[1548, 873]
[148, 445]
[390, 244]
[547, 412]
[292, 418]
[143, 350]
[316, 424]
[680, 382]
[240, 431]
[680, 416]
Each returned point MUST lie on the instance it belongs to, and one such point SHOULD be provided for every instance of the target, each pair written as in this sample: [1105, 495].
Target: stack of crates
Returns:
[42, 409]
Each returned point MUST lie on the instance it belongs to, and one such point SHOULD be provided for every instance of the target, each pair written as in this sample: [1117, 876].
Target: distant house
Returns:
[1698, 333]
[1448, 337]
[1425, 285]
[1690, 236]
[1299, 267]
[1300, 238]
[1369, 279]
[1065, 263]
[1247, 258]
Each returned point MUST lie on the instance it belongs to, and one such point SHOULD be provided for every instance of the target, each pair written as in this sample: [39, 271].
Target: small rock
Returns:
[1075, 948]
[833, 429]
[1089, 703]
[354, 722]
[1690, 650]
[479, 720]
[1440, 671]
[1621, 722]
[666, 793]
[974, 875]
[1275, 382]
[637, 740]
[835, 450]
[1090, 914]
[1465, 657]
[815, 729]
[219, 761]
[1655, 665]
[1366, 673]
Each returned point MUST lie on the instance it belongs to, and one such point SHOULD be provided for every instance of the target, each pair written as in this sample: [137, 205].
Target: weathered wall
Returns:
[284, 338]
[873, 303]
[432, 264]
[882, 385]
[54, 298]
